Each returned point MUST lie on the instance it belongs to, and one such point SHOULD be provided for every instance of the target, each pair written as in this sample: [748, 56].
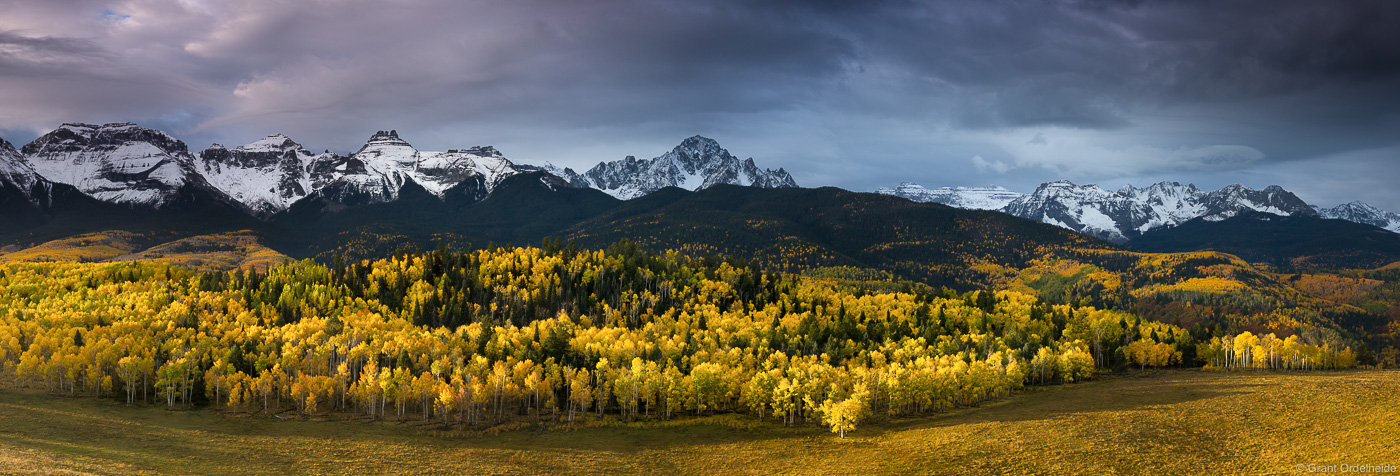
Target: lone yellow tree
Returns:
[843, 415]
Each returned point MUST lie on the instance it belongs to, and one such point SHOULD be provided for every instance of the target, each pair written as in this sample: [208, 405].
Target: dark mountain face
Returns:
[1302, 241]
[795, 229]
[65, 211]
[272, 151]
[783, 228]
[523, 208]
[77, 137]
[27, 199]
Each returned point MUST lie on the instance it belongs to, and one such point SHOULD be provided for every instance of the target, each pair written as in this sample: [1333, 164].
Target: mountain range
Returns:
[1129, 212]
[81, 178]
[125, 164]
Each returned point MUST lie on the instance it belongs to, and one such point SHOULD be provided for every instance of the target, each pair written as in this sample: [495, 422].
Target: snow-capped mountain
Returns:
[977, 198]
[696, 163]
[118, 162]
[267, 175]
[16, 176]
[27, 198]
[1118, 215]
[1361, 212]
[386, 163]
[1130, 211]
[126, 164]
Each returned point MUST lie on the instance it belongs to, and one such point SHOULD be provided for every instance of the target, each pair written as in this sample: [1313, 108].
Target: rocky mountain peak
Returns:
[265, 175]
[387, 137]
[275, 142]
[696, 154]
[697, 162]
[699, 142]
[1362, 212]
[72, 137]
[117, 162]
[480, 150]
[13, 168]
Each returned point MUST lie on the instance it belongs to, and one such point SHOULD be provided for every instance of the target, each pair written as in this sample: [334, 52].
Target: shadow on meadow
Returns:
[1134, 391]
[184, 430]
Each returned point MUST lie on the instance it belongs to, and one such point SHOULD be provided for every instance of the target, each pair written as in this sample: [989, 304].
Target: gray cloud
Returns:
[847, 93]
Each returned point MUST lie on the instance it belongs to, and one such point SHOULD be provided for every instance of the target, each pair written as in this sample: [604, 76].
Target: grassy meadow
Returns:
[1168, 422]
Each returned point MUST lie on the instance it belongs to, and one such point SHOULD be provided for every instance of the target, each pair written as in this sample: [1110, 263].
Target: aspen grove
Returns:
[561, 335]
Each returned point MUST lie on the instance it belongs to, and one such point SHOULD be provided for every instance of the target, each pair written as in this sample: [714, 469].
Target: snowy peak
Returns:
[695, 153]
[264, 152]
[266, 175]
[440, 171]
[390, 137]
[1087, 209]
[117, 162]
[386, 163]
[14, 172]
[22, 190]
[389, 148]
[273, 143]
[977, 198]
[696, 163]
[1361, 212]
[1130, 211]
[1232, 200]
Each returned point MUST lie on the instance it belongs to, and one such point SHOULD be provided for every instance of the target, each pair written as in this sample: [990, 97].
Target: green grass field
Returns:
[1175, 422]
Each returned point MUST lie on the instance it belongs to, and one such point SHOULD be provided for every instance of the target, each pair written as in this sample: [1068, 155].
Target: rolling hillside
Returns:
[1288, 242]
[797, 229]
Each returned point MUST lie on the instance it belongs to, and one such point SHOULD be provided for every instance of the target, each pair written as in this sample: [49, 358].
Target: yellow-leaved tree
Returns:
[843, 415]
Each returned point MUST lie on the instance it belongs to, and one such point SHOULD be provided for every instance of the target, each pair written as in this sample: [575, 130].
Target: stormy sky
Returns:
[1302, 94]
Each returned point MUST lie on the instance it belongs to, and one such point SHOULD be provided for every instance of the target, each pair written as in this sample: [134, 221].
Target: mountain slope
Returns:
[387, 163]
[696, 163]
[119, 163]
[34, 208]
[222, 251]
[1291, 241]
[522, 208]
[795, 229]
[266, 175]
[1361, 212]
[24, 195]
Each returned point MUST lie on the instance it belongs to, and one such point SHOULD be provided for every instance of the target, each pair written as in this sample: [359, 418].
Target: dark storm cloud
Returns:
[850, 93]
[1091, 65]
